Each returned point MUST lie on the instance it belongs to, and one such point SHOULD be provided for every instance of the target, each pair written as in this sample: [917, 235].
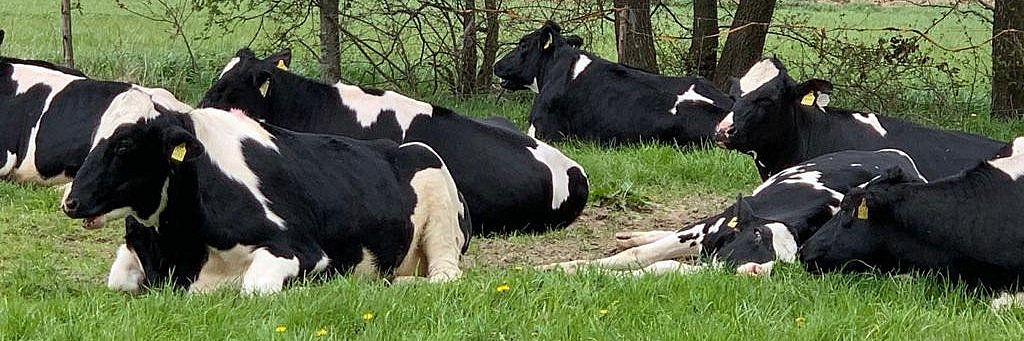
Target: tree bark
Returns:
[65, 20]
[634, 38]
[467, 53]
[1008, 59]
[490, 44]
[704, 44]
[330, 43]
[745, 45]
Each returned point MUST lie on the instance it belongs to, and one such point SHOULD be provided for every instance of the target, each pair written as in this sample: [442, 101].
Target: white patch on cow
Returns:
[783, 242]
[164, 98]
[437, 237]
[127, 108]
[153, 220]
[535, 87]
[532, 132]
[1006, 301]
[871, 120]
[27, 76]
[369, 107]
[625, 240]
[221, 134]
[8, 163]
[758, 75]
[222, 268]
[855, 165]
[756, 269]
[1012, 165]
[266, 273]
[126, 273]
[577, 69]
[812, 178]
[366, 266]
[322, 264]
[905, 156]
[691, 95]
[559, 166]
[231, 65]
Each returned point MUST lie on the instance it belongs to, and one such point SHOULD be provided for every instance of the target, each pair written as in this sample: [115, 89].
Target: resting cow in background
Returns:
[511, 182]
[239, 203]
[781, 123]
[580, 95]
[968, 228]
[767, 226]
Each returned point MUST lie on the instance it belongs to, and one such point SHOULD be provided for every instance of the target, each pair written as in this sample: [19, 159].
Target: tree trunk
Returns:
[65, 20]
[330, 43]
[704, 44]
[633, 35]
[744, 46]
[467, 53]
[1008, 59]
[490, 44]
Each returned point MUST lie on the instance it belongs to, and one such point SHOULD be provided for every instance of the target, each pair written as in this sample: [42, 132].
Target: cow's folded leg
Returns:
[626, 240]
[667, 248]
[126, 273]
[267, 272]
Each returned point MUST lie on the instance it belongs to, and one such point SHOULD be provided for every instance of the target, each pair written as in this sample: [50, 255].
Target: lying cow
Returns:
[580, 95]
[511, 181]
[969, 227]
[241, 203]
[782, 123]
[769, 225]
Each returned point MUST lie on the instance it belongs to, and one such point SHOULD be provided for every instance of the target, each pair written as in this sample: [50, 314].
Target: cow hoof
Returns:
[625, 240]
[755, 269]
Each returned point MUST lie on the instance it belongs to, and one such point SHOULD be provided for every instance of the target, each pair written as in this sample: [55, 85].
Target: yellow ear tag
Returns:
[264, 88]
[178, 154]
[808, 99]
[732, 223]
[280, 65]
[862, 210]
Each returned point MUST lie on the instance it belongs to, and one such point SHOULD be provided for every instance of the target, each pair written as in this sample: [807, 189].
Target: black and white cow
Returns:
[51, 116]
[759, 229]
[511, 182]
[242, 203]
[580, 95]
[968, 228]
[781, 123]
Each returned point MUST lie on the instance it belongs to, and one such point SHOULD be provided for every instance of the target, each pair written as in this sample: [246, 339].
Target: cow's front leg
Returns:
[126, 273]
[267, 273]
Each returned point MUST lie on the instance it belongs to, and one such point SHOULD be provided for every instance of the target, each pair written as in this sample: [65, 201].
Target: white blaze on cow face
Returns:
[691, 95]
[368, 107]
[222, 134]
[871, 120]
[27, 76]
[577, 69]
[1012, 165]
[559, 166]
[783, 242]
[231, 65]
[758, 75]
[126, 273]
[127, 108]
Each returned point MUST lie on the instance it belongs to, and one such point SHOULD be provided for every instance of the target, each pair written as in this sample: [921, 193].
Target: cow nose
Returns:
[70, 205]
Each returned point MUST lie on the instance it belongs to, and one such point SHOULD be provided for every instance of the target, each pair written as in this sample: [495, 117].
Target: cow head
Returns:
[766, 99]
[245, 83]
[858, 235]
[751, 243]
[128, 173]
[519, 68]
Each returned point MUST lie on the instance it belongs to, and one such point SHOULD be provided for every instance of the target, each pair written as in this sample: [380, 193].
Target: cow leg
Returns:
[1007, 300]
[7, 161]
[663, 267]
[437, 238]
[267, 273]
[126, 273]
[627, 240]
[666, 248]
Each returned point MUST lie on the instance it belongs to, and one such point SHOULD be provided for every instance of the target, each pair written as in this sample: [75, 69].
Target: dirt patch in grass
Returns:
[592, 235]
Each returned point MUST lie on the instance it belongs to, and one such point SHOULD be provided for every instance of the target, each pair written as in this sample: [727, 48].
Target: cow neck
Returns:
[179, 217]
[290, 105]
[559, 63]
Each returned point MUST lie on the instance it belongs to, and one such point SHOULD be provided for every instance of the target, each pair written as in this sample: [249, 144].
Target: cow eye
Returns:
[122, 148]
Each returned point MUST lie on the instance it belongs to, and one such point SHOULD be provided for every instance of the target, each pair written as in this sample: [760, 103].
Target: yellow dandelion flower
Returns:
[367, 316]
[281, 329]
[321, 332]
[604, 311]
[801, 321]
[502, 288]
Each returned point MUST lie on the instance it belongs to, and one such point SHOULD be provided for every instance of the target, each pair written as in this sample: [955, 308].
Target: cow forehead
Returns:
[231, 65]
[758, 75]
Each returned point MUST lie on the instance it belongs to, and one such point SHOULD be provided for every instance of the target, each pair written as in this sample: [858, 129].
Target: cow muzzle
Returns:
[724, 131]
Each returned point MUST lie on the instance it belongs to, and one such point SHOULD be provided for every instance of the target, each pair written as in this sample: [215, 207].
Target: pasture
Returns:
[52, 272]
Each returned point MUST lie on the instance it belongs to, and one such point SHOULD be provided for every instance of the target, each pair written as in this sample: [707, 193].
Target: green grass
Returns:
[52, 271]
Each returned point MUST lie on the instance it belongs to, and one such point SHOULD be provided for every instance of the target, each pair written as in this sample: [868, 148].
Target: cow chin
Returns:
[101, 220]
[512, 85]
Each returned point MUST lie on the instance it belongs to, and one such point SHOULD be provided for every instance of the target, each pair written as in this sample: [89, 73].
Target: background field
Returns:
[52, 272]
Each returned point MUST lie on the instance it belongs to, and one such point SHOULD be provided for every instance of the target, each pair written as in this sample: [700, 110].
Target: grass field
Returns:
[52, 272]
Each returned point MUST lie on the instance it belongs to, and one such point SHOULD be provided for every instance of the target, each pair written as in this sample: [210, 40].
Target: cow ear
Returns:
[734, 87]
[245, 53]
[549, 32]
[281, 60]
[574, 41]
[180, 146]
[261, 79]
